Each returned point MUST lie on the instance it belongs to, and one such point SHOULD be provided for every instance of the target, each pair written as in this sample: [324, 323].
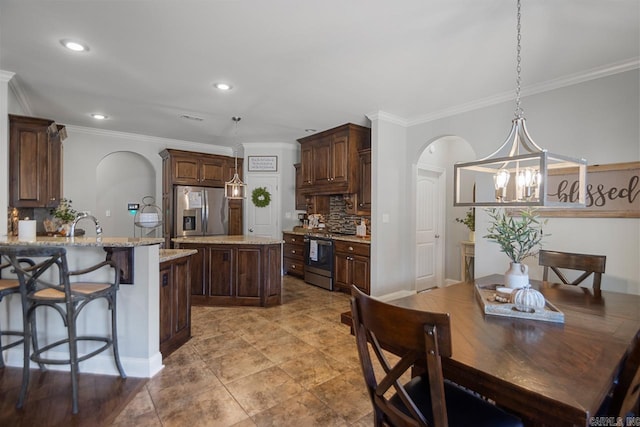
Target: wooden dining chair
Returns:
[417, 337]
[588, 264]
[624, 401]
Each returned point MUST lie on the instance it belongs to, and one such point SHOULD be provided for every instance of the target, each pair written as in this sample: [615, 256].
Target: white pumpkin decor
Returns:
[528, 298]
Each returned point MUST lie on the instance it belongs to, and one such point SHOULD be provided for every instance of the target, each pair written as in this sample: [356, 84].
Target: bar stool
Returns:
[55, 290]
[10, 286]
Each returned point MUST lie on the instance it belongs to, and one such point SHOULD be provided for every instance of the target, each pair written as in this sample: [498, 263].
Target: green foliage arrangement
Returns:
[64, 212]
[261, 197]
[469, 219]
[518, 237]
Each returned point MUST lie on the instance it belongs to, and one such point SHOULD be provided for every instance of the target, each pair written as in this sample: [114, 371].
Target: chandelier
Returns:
[520, 173]
[235, 189]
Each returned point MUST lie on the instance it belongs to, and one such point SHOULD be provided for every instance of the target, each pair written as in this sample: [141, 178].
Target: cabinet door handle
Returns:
[293, 251]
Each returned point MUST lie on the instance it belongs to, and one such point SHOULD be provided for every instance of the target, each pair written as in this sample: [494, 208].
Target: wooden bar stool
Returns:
[9, 286]
[48, 284]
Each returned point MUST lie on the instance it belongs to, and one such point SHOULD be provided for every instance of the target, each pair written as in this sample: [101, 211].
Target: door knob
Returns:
[437, 236]
[251, 230]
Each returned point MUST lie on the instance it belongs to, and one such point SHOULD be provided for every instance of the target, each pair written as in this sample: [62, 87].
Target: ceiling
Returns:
[295, 64]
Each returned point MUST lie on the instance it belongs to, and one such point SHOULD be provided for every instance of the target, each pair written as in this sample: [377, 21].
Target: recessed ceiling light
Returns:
[99, 116]
[310, 130]
[75, 46]
[222, 86]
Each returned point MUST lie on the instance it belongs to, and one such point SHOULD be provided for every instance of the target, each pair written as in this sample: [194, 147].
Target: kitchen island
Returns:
[138, 306]
[235, 270]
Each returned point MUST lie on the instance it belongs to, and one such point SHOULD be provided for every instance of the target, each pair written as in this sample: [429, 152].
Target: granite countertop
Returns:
[341, 237]
[228, 240]
[171, 254]
[103, 242]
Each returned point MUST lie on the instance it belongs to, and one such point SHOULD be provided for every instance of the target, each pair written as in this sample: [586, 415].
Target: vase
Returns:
[517, 276]
[472, 236]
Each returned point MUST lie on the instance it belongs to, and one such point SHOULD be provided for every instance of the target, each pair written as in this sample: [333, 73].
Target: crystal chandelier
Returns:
[520, 173]
[235, 189]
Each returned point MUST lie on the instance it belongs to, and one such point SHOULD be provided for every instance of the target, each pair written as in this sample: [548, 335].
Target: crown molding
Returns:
[16, 88]
[568, 80]
[6, 76]
[387, 117]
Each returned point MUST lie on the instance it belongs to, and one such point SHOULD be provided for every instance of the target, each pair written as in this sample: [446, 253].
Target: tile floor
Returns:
[291, 365]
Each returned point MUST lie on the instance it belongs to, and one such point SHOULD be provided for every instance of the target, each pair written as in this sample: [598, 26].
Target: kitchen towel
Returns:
[313, 250]
[27, 230]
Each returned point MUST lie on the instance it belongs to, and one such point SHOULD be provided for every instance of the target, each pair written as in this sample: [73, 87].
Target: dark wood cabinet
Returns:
[198, 170]
[175, 304]
[301, 203]
[243, 274]
[35, 162]
[293, 254]
[363, 201]
[351, 266]
[201, 170]
[329, 160]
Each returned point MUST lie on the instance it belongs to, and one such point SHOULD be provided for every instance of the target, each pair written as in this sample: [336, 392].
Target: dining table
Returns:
[549, 373]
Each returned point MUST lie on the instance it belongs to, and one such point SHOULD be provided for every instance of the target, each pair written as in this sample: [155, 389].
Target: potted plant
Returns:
[470, 221]
[64, 215]
[519, 237]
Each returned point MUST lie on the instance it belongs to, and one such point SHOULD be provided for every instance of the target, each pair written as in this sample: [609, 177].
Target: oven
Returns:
[318, 261]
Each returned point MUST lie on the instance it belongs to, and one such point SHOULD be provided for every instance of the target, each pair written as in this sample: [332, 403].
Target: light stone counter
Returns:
[342, 237]
[171, 254]
[99, 242]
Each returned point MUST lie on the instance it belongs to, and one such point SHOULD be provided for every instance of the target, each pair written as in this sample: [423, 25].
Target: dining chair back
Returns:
[417, 338]
[588, 264]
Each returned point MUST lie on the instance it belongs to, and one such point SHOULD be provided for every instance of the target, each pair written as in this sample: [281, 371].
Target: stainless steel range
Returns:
[318, 263]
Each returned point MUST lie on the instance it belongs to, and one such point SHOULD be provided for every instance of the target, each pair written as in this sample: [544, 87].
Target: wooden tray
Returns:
[486, 297]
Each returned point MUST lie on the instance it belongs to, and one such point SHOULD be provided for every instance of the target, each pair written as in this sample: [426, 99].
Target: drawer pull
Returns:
[351, 248]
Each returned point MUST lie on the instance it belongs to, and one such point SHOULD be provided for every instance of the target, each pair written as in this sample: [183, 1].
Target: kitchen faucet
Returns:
[72, 231]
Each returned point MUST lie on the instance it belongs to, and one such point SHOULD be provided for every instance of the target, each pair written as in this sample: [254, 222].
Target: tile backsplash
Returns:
[339, 221]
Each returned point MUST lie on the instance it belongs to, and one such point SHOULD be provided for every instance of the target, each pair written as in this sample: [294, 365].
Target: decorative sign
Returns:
[613, 191]
[263, 163]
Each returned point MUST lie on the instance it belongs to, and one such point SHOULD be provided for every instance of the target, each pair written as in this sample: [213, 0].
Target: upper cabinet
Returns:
[35, 162]
[207, 171]
[329, 160]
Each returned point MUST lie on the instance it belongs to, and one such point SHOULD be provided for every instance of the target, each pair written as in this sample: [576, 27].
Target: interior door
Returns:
[263, 221]
[429, 229]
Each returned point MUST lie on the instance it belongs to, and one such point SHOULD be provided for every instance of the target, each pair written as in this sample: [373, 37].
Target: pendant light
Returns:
[520, 173]
[235, 189]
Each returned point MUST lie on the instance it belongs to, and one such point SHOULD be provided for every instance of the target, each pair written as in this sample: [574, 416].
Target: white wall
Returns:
[596, 119]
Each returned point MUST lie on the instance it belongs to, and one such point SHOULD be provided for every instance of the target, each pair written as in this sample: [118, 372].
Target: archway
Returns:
[436, 160]
[122, 177]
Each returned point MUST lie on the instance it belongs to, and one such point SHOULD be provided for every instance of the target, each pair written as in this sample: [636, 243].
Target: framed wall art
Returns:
[613, 191]
[262, 163]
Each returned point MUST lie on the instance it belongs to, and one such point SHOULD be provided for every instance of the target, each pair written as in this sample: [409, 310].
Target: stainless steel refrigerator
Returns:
[200, 211]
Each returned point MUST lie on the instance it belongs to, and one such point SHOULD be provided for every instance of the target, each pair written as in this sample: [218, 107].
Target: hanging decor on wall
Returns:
[261, 197]
[516, 173]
